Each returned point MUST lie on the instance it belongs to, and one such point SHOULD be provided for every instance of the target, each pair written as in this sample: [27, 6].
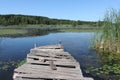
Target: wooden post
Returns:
[60, 42]
[53, 67]
[35, 45]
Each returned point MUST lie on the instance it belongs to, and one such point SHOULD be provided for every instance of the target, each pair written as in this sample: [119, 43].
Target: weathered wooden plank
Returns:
[53, 79]
[36, 71]
[67, 57]
[49, 63]
[45, 60]
[52, 76]
[30, 68]
[58, 46]
[46, 50]
[51, 54]
[49, 71]
[57, 63]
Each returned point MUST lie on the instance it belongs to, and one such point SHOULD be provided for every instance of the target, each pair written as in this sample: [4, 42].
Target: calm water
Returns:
[78, 44]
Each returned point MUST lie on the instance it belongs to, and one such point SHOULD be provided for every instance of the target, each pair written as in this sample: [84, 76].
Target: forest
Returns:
[12, 19]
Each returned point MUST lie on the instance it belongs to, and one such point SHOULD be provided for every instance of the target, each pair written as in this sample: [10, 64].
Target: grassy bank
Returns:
[12, 31]
[37, 30]
[22, 32]
[79, 30]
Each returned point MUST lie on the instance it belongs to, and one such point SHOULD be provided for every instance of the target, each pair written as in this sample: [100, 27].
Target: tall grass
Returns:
[109, 37]
[107, 43]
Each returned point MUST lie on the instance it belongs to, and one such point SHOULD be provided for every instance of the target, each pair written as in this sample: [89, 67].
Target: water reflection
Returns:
[14, 49]
[31, 32]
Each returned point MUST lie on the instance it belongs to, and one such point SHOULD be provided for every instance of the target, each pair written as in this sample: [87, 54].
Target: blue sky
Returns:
[88, 10]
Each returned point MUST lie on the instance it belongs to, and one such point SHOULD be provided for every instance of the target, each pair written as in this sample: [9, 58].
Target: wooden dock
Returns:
[49, 63]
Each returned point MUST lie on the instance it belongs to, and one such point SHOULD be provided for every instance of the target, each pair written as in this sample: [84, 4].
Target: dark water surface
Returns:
[14, 49]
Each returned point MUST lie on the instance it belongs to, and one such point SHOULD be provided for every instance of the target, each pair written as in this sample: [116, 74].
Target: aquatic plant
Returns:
[6, 65]
[107, 44]
[109, 36]
[20, 63]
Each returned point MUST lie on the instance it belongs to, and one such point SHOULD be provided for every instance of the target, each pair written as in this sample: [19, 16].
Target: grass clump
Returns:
[6, 65]
[20, 63]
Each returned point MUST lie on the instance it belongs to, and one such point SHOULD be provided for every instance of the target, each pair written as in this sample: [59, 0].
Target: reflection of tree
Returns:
[40, 32]
[0, 41]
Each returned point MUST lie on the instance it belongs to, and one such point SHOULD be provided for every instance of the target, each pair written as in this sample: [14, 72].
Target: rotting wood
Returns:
[49, 63]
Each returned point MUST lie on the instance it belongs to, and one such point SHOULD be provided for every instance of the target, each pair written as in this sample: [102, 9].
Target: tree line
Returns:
[12, 19]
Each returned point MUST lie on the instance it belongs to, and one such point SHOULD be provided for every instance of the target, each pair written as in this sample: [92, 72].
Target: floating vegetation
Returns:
[20, 63]
[106, 72]
[110, 68]
[5, 65]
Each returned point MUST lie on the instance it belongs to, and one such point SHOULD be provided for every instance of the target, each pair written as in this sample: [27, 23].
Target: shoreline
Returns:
[32, 31]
